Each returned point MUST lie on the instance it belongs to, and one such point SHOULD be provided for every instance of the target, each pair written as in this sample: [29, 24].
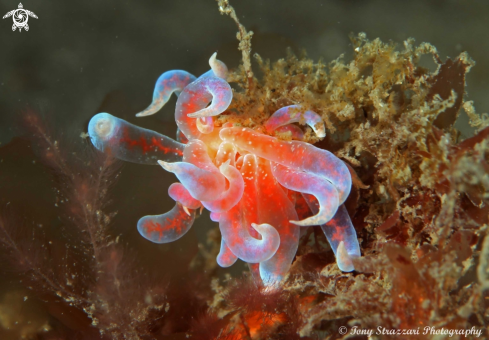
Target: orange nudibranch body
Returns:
[242, 176]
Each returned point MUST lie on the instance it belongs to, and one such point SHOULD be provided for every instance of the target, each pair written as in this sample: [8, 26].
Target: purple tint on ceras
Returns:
[131, 143]
[340, 233]
[169, 82]
[295, 155]
[324, 191]
[294, 114]
[238, 174]
[167, 227]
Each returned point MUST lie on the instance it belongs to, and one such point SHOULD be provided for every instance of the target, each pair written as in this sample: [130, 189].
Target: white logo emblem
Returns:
[20, 16]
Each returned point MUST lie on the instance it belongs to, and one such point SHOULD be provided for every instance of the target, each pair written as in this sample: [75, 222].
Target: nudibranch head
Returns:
[247, 178]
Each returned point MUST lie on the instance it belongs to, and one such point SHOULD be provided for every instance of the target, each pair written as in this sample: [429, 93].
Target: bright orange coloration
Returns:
[242, 176]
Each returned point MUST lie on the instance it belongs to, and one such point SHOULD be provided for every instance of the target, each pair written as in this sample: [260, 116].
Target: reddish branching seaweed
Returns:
[85, 276]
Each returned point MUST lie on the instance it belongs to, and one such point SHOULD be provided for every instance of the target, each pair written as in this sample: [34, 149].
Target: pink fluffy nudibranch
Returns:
[248, 180]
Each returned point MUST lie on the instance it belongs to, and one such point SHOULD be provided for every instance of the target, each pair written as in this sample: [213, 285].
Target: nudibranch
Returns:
[248, 179]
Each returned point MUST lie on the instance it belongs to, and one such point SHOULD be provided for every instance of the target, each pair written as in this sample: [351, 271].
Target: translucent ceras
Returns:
[246, 179]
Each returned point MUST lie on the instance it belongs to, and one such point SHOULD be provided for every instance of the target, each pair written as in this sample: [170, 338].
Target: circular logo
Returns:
[342, 330]
[20, 17]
